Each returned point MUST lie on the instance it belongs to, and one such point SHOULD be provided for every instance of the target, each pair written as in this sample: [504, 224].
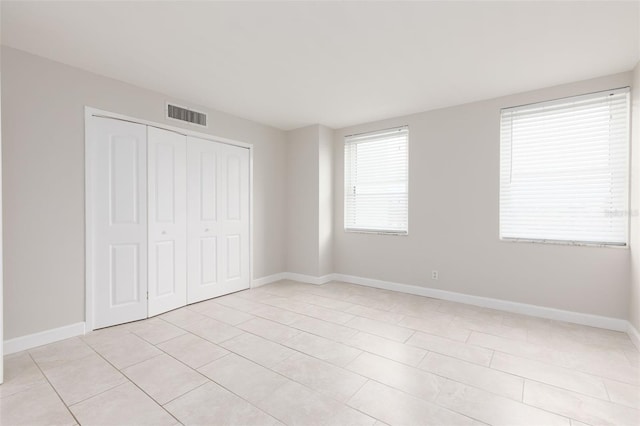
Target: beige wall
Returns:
[298, 202]
[325, 201]
[453, 219]
[310, 200]
[302, 200]
[43, 184]
[634, 298]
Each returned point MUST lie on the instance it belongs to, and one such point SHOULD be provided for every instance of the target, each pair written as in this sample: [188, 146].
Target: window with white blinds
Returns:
[564, 168]
[376, 181]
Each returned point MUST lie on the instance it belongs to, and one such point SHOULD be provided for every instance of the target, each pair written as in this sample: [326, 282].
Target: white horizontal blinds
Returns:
[564, 169]
[376, 181]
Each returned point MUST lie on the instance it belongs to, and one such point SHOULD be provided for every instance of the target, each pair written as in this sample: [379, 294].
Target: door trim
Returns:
[90, 112]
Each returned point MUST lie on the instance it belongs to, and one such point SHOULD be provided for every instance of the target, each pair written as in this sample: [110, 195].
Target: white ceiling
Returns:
[290, 64]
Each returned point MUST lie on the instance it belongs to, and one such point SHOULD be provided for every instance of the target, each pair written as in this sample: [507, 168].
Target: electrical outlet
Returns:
[434, 275]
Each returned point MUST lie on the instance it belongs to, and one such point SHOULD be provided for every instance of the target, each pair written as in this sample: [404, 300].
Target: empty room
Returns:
[320, 213]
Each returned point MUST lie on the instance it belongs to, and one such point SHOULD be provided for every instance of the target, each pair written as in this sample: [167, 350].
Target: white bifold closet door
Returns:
[167, 195]
[118, 166]
[218, 219]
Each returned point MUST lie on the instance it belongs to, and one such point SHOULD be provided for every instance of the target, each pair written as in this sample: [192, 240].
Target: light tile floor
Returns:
[336, 354]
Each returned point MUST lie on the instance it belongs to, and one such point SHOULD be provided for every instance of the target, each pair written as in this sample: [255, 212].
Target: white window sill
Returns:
[365, 231]
[565, 243]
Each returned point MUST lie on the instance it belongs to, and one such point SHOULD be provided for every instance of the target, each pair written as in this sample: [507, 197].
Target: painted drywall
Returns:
[1, 245]
[634, 297]
[43, 183]
[453, 218]
[302, 200]
[310, 200]
[325, 200]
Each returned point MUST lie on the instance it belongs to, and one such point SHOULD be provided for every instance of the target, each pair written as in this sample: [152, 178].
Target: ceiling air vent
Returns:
[183, 114]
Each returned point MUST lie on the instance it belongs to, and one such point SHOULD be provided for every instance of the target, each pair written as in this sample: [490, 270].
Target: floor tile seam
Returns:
[317, 357]
[254, 403]
[596, 378]
[228, 323]
[309, 316]
[435, 400]
[381, 321]
[386, 357]
[53, 388]
[614, 404]
[606, 389]
[266, 338]
[428, 372]
[592, 375]
[95, 352]
[537, 346]
[452, 340]
[177, 337]
[251, 361]
[421, 399]
[471, 385]
[25, 386]
[410, 336]
[267, 318]
[121, 369]
[84, 337]
[170, 356]
[219, 342]
[323, 306]
[246, 400]
[137, 386]
[157, 343]
[343, 369]
[310, 303]
[494, 394]
[297, 352]
[259, 336]
[351, 346]
[558, 414]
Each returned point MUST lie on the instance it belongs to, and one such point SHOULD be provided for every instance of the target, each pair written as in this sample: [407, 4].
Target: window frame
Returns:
[627, 172]
[363, 230]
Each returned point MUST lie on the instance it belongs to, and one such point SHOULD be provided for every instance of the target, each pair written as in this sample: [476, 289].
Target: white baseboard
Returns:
[634, 335]
[487, 302]
[49, 336]
[42, 338]
[293, 276]
[258, 282]
[309, 279]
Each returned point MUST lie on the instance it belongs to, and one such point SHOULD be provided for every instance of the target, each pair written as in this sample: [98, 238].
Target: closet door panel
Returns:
[202, 224]
[234, 215]
[118, 178]
[218, 246]
[167, 220]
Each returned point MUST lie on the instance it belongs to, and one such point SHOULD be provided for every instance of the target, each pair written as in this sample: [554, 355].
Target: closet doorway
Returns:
[168, 218]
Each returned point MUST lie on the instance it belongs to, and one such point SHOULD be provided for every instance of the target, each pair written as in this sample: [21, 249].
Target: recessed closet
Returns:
[168, 219]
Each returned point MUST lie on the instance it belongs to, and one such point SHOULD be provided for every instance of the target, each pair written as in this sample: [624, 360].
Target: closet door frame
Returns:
[89, 113]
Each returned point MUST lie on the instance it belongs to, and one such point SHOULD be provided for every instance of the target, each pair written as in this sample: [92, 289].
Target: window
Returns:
[564, 170]
[376, 181]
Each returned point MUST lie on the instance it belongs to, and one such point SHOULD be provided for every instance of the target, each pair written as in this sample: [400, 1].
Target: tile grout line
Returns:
[135, 384]
[471, 331]
[548, 411]
[87, 356]
[531, 358]
[273, 391]
[53, 387]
